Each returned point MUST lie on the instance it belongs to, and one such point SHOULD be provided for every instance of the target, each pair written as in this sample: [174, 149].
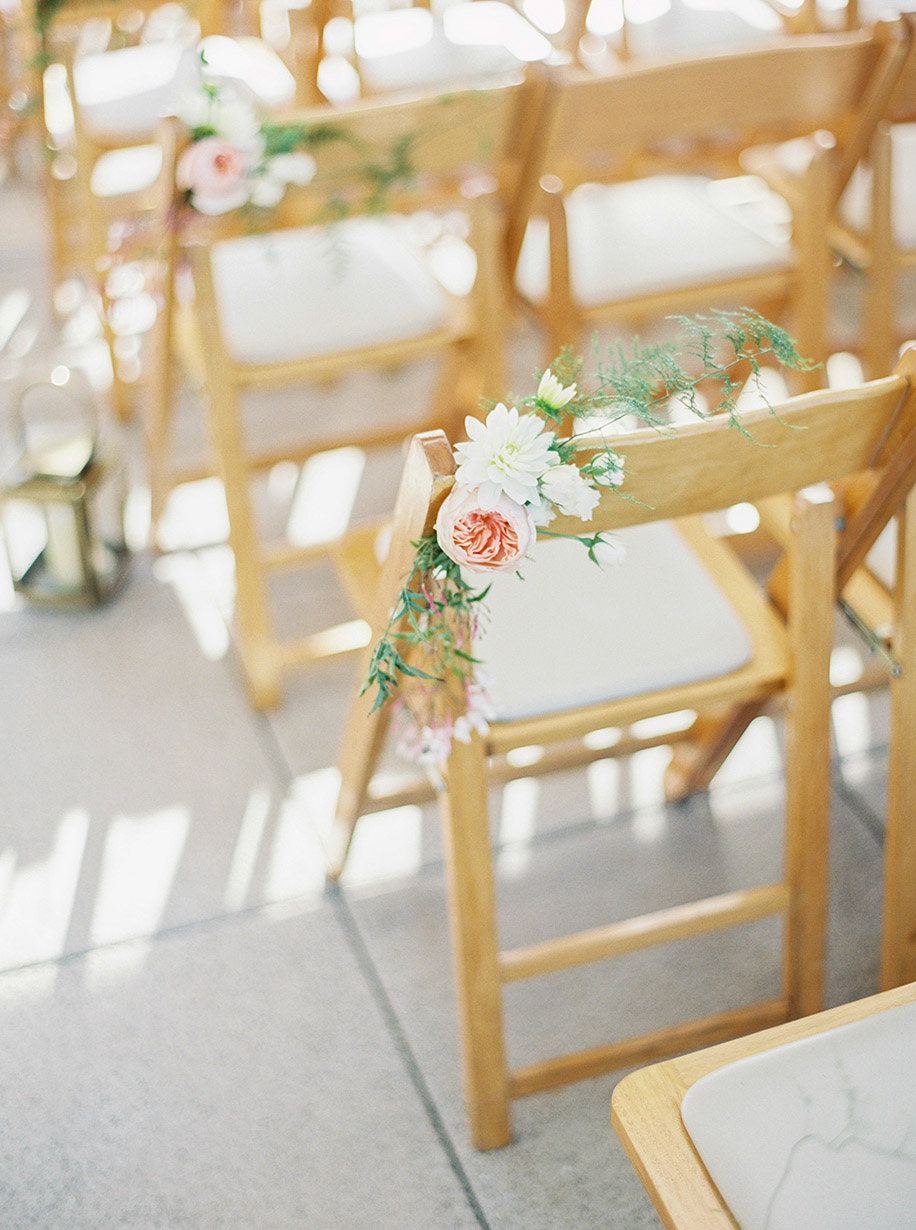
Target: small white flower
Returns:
[611, 468]
[574, 495]
[266, 190]
[296, 169]
[608, 551]
[506, 455]
[553, 394]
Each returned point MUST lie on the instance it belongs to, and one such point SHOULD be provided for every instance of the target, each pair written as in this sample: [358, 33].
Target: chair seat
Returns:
[855, 206]
[655, 620]
[645, 236]
[135, 168]
[302, 293]
[473, 40]
[690, 29]
[124, 94]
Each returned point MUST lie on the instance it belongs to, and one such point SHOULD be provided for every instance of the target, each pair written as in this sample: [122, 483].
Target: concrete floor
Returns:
[196, 1034]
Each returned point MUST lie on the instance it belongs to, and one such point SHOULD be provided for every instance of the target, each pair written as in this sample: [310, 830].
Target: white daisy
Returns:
[507, 454]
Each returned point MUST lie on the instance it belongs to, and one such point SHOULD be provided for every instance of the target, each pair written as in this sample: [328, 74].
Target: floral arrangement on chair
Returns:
[235, 159]
[514, 473]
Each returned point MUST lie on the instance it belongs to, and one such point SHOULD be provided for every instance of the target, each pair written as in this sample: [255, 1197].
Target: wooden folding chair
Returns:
[743, 647]
[332, 298]
[115, 68]
[874, 229]
[623, 218]
[647, 1105]
[879, 602]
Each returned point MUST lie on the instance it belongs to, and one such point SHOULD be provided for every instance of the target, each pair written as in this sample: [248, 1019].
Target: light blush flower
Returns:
[484, 539]
[213, 171]
[505, 455]
[552, 393]
[574, 495]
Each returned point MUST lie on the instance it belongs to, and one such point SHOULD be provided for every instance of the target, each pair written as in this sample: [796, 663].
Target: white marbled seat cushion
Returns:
[471, 40]
[571, 634]
[646, 236]
[320, 290]
[855, 205]
[817, 1134]
[124, 93]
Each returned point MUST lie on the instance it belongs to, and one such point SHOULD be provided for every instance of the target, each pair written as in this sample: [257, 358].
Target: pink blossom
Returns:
[214, 172]
[484, 540]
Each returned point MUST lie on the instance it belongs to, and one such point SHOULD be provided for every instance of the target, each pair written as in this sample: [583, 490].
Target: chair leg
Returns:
[364, 735]
[880, 325]
[257, 639]
[472, 910]
[898, 945]
[697, 759]
[811, 580]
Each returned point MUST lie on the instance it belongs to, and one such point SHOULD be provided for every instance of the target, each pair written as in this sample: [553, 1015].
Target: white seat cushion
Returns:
[570, 633]
[300, 293]
[855, 205]
[703, 26]
[410, 48]
[131, 169]
[647, 236]
[124, 94]
[251, 63]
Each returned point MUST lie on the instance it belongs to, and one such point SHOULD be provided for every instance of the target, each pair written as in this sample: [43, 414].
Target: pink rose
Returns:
[484, 539]
[214, 172]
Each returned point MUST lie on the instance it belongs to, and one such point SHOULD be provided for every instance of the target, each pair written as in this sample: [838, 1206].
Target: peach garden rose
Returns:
[485, 540]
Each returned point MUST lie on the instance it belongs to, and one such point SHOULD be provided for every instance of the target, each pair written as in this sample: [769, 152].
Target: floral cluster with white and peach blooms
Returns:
[521, 466]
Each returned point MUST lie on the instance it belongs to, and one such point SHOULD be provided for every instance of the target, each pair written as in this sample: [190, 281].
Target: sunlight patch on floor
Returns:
[139, 861]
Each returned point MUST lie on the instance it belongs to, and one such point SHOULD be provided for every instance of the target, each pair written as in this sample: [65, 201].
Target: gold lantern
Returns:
[62, 497]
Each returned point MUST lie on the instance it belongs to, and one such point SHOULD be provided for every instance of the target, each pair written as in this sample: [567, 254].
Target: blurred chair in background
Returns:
[631, 209]
[874, 228]
[306, 302]
[114, 71]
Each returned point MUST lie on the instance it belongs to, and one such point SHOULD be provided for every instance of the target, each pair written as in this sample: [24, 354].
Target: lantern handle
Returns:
[81, 400]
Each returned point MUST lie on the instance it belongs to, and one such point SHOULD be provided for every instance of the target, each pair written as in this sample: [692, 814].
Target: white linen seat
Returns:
[640, 238]
[471, 41]
[366, 287]
[626, 641]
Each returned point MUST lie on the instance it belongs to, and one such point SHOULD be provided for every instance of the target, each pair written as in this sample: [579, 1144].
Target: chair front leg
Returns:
[472, 912]
[811, 581]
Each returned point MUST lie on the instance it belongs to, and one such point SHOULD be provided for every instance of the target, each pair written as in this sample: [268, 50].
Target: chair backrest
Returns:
[381, 156]
[818, 437]
[706, 110]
